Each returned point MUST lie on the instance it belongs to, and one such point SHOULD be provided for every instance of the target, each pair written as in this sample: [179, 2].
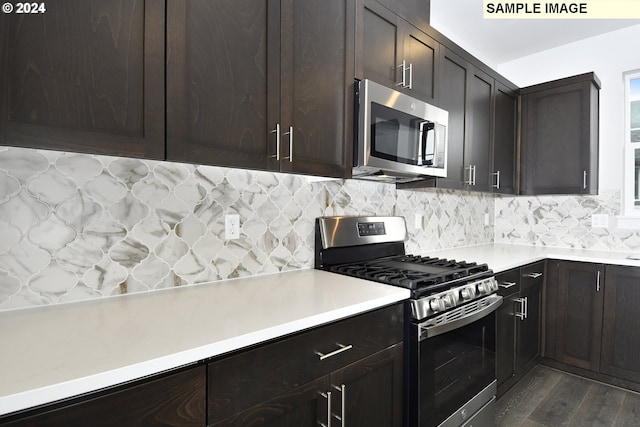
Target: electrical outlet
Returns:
[599, 221]
[231, 227]
[487, 219]
[417, 221]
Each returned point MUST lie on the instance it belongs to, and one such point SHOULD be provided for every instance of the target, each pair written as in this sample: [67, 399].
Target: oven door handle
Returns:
[432, 331]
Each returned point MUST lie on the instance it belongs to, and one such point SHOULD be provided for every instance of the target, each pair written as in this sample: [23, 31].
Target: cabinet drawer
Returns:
[508, 282]
[244, 379]
[532, 274]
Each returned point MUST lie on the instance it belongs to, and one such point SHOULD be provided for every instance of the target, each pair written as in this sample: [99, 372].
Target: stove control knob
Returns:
[467, 294]
[437, 304]
[448, 300]
[483, 288]
[494, 285]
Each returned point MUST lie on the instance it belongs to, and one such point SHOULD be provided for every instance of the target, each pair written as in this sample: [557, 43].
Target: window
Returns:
[632, 143]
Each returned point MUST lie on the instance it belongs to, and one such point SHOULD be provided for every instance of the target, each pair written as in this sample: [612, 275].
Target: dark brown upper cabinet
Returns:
[505, 137]
[417, 12]
[454, 74]
[85, 76]
[467, 94]
[478, 147]
[264, 86]
[394, 53]
[560, 136]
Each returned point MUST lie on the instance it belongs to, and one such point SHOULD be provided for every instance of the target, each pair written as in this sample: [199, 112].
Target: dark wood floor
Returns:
[547, 397]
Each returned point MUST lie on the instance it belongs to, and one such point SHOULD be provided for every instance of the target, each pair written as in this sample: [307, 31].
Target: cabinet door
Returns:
[85, 76]
[223, 82]
[560, 139]
[415, 11]
[509, 283]
[580, 302]
[177, 399]
[421, 52]
[304, 406]
[452, 86]
[371, 390]
[479, 136]
[380, 48]
[550, 291]
[529, 328]
[385, 41]
[504, 140]
[621, 326]
[317, 87]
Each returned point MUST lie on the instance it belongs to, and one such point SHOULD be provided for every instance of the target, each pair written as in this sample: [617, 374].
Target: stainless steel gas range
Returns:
[450, 333]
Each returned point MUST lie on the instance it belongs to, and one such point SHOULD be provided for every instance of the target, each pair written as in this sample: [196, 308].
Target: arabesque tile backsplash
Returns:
[77, 226]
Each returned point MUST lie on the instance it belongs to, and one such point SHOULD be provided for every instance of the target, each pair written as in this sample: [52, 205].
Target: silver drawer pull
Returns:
[327, 396]
[507, 285]
[533, 275]
[343, 393]
[522, 314]
[335, 352]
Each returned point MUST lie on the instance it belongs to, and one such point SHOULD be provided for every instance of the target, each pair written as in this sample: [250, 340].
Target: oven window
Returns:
[401, 137]
[454, 367]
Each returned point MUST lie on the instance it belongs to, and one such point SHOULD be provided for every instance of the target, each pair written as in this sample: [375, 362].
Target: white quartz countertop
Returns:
[54, 352]
[501, 257]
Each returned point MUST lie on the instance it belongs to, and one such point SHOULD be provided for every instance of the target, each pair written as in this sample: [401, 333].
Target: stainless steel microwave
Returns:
[398, 138]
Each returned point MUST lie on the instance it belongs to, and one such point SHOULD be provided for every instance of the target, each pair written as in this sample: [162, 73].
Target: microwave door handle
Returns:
[436, 131]
[422, 147]
[433, 127]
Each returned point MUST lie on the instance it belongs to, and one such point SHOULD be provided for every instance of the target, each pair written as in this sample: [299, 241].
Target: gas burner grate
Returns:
[411, 271]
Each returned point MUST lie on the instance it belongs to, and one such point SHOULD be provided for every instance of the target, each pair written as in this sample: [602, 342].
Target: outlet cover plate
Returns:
[231, 227]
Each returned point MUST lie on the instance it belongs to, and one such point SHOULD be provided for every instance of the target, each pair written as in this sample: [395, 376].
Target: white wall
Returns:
[608, 55]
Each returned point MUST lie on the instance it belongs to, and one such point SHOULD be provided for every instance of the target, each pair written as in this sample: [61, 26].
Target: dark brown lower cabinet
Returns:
[366, 393]
[621, 324]
[177, 399]
[506, 371]
[592, 321]
[349, 370]
[519, 323]
[580, 298]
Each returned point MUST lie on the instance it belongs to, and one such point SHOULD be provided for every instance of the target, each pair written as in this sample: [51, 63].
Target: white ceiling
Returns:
[496, 41]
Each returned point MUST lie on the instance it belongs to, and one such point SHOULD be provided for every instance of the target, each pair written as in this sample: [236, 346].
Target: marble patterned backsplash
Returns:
[563, 222]
[77, 226]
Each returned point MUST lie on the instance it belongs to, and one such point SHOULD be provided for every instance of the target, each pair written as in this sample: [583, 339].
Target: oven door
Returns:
[456, 364]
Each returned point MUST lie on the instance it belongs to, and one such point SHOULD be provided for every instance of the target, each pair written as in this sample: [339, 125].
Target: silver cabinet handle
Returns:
[278, 136]
[470, 180]
[403, 83]
[327, 396]
[507, 285]
[598, 282]
[335, 352]
[290, 133]
[533, 275]
[584, 180]
[343, 393]
[474, 174]
[410, 86]
[497, 184]
[522, 313]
